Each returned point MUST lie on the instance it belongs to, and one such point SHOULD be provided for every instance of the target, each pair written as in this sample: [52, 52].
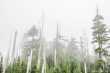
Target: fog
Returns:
[74, 17]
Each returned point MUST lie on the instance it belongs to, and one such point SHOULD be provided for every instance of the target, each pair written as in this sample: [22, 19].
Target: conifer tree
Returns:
[73, 48]
[100, 37]
[30, 41]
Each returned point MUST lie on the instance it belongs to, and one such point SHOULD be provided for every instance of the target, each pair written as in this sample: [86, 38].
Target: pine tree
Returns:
[30, 37]
[30, 41]
[100, 36]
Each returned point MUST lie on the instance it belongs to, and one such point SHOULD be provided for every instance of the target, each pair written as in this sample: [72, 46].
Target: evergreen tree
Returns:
[30, 42]
[100, 37]
[72, 48]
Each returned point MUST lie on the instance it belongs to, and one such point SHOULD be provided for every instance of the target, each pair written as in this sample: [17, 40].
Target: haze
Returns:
[73, 16]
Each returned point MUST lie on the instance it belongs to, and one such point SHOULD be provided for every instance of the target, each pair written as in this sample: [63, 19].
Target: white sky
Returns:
[74, 17]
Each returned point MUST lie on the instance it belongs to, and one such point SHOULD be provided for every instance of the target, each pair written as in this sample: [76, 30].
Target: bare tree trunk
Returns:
[85, 67]
[29, 63]
[55, 58]
[44, 62]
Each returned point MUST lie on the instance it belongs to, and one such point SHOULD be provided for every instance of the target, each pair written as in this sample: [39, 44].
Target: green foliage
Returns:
[99, 64]
[100, 37]
[66, 66]
[16, 67]
[1, 66]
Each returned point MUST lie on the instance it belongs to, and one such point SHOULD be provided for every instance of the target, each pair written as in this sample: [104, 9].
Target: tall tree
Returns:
[30, 42]
[100, 35]
[84, 53]
[58, 46]
[30, 37]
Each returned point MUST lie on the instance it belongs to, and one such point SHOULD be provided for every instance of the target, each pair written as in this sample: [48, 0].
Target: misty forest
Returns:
[60, 55]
